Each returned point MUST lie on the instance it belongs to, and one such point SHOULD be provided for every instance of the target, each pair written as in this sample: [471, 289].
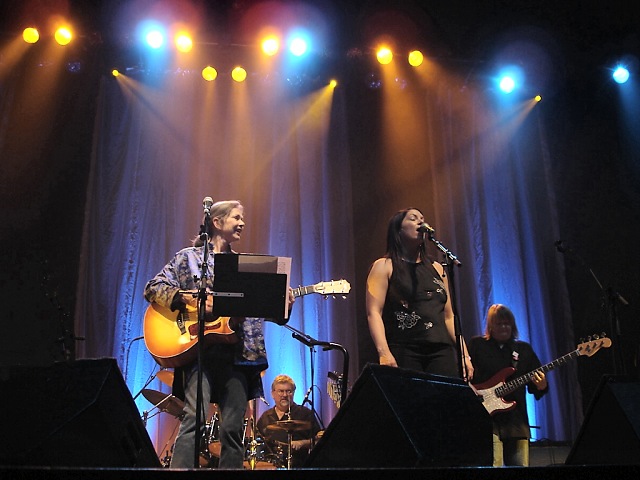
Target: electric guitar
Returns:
[170, 336]
[493, 390]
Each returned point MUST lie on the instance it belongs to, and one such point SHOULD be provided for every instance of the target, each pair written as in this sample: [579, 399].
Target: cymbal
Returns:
[166, 377]
[165, 402]
[290, 425]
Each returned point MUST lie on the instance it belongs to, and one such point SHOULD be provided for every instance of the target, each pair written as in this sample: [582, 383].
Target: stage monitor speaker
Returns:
[610, 433]
[397, 418]
[71, 414]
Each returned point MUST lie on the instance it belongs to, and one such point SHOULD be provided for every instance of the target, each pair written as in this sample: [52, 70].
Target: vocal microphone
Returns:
[306, 396]
[207, 202]
[426, 228]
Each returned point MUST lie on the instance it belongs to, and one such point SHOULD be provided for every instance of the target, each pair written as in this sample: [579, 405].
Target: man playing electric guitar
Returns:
[493, 352]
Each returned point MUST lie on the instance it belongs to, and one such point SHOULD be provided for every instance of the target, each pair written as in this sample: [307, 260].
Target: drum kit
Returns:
[289, 426]
[258, 455]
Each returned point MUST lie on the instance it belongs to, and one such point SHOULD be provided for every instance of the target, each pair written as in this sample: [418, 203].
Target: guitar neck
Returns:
[334, 287]
[300, 291]
[516, 383]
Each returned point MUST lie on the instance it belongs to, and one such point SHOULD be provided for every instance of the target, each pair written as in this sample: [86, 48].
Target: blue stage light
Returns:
[152, 34]
[621, 74]
[507, 84]
[510, 78]
[155, 39]
[298, 42]
[298, 46]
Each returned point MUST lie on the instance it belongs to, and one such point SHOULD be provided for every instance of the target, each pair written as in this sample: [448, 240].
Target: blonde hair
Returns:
[220, 210]
[497, 312]
[283, 379]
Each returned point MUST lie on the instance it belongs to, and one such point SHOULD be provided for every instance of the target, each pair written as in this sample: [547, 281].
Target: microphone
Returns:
[207, 202]
[426, 228]
[306, 396]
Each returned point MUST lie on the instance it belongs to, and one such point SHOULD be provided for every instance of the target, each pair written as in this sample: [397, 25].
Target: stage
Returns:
[547, 462]
[618, 472]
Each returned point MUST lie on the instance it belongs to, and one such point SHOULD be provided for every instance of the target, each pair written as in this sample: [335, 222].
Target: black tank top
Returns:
[416, 317]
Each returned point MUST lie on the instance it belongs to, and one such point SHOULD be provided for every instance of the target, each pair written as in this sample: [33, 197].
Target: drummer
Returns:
[306, 431]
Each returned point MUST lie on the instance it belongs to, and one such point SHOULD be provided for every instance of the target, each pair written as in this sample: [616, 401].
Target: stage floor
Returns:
[561, 472]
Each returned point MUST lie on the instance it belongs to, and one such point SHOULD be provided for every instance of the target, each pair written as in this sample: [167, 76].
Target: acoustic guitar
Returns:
[170, 336]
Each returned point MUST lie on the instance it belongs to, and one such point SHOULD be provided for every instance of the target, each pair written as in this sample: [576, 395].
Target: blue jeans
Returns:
[231, 385]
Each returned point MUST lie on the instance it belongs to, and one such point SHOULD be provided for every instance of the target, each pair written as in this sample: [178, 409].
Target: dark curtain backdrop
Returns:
[481, 172]
[159, 149]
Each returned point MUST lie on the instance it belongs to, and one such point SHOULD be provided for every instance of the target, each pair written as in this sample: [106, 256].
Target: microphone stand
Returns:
[126, 362]
[311, 342]
[450, 262]
[148, 382]
[611, 299]
[202, 312]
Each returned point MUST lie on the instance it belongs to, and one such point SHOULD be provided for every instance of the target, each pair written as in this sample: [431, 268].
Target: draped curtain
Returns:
[309, 174]
[158, 151]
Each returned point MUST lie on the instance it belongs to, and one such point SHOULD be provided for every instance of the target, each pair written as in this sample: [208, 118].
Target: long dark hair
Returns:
[396, 252]
[395, 247]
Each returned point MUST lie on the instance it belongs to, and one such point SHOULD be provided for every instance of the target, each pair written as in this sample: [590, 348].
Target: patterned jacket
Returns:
[182, 273]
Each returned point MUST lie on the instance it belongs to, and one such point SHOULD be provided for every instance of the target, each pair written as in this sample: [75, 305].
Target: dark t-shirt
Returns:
[276, 440]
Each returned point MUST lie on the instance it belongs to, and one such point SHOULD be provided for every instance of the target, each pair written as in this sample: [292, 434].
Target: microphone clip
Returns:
[306, 396]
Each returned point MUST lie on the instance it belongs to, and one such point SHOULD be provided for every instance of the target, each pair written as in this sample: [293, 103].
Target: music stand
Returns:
[248, 285]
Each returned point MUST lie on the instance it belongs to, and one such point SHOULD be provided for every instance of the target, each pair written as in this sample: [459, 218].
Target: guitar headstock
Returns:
[334, 287]
[593, 344]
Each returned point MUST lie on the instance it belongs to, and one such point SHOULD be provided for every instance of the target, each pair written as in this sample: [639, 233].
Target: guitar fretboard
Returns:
[516, 383]
[300, 291]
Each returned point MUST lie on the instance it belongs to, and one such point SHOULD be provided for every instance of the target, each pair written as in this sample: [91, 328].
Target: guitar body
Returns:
[487, 392]
[171, 337]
